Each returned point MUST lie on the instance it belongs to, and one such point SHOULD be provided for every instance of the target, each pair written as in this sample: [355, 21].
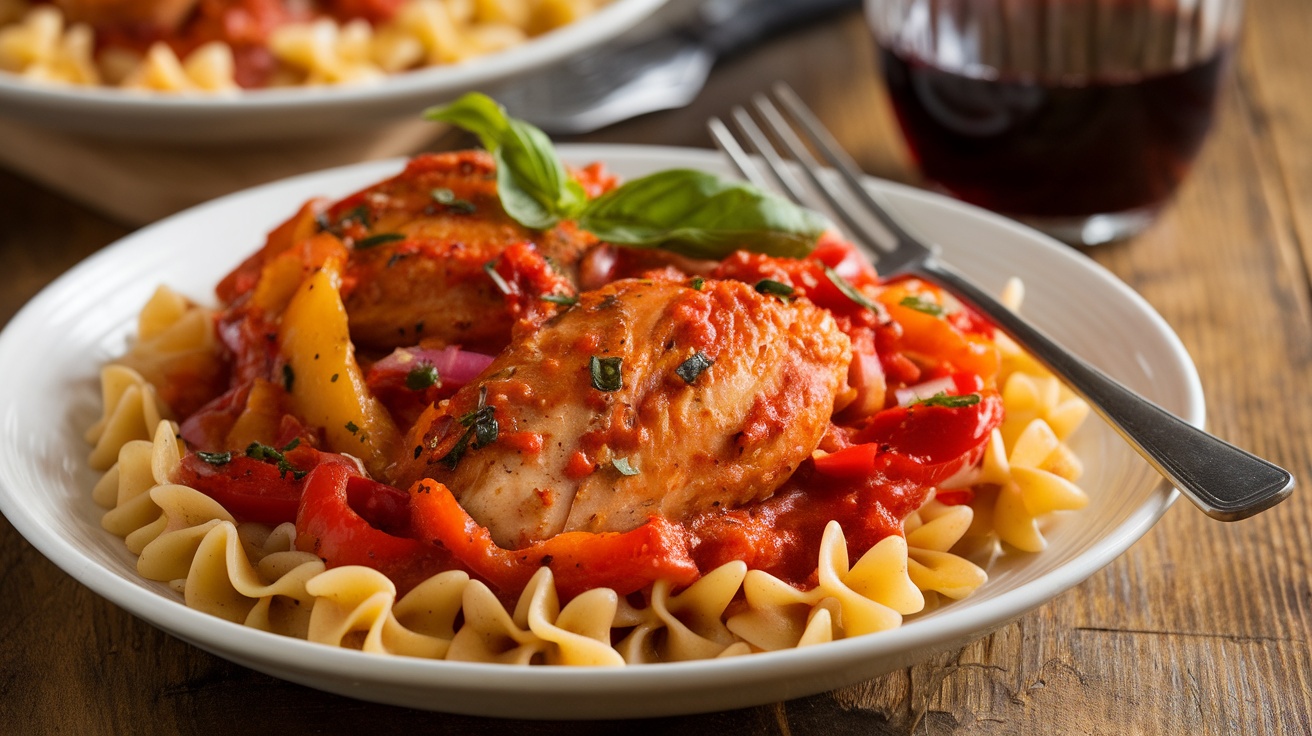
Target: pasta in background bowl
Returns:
[45, 482]
[341, 72]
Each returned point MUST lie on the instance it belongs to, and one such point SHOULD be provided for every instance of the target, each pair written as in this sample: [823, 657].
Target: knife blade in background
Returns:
[632, 76]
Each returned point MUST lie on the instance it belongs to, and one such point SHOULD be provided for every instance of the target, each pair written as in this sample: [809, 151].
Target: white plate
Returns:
[51, 352]
[300, 111]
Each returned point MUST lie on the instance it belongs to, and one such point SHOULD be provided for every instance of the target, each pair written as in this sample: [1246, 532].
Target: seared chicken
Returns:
[664, 398]
[421, 242]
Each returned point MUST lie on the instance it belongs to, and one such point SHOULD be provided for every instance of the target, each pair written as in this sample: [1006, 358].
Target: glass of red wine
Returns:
[1078, 117]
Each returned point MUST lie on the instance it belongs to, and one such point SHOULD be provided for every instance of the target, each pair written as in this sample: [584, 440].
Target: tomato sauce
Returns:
[876, 464]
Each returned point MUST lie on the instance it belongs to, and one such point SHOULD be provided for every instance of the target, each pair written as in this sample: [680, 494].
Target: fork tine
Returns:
[833, 153]
[774, 162]
[829, 190]
[741, 161]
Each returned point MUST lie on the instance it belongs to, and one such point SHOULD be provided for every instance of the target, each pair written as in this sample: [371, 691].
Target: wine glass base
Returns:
[1089, 230]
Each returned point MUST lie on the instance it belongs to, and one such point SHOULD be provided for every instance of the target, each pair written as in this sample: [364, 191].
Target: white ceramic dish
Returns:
[51, 352]
[302, 111]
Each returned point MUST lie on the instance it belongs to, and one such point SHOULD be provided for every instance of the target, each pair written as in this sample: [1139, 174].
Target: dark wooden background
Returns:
[1202, 627]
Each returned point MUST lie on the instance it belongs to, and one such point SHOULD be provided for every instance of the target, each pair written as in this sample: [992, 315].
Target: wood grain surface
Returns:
[1201, 628]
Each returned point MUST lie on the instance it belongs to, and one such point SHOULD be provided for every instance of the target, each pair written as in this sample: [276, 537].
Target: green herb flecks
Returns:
[481, 430]
[448, 199]
[606, 373]
[421, 377]
[561, 299]
[849, 290]
[693, 367]
[951, 402]
[215, 458]
[623, 465]
[275, 457]
[374, 241]
[490, 268]
[771, 287]
[921, 304]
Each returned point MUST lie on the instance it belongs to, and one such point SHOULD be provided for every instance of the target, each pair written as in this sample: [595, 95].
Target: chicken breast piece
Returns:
[421, 241]
[647, 398]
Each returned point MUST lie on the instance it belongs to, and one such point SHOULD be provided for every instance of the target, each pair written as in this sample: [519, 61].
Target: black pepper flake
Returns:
[352, 427]
[288, 377]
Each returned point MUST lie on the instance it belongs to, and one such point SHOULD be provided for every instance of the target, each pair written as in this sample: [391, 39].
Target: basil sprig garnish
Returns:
[693, 213]
[532, 183]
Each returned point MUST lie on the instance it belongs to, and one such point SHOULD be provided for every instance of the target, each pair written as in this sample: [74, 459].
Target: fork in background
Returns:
[1227, 483]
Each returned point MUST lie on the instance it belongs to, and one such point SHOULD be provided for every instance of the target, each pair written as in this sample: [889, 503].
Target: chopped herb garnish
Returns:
[951, 402]
[421, 377]
[447, 197]
[697, 283]
[563, 299]
[352, 427]
[774, 288]
[333, 379]
[622, 464]
[215, 458]
[689, 369]
[491, 269]
[263, 452]
[379, 239]
[295, 443]
[267, 454]
[359, 214]
[849, 291]
[606, 375]
[481, 428]
[288, 377]
[921, 304]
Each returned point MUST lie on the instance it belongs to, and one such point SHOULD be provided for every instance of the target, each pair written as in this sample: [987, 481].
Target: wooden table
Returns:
[1202, 627]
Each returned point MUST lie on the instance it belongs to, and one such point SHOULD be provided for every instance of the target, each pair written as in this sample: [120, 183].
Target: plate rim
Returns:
[27, 101]
[213, 634]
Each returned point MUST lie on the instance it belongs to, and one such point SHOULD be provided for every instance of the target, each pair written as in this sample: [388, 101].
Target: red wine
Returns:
[1044, 148]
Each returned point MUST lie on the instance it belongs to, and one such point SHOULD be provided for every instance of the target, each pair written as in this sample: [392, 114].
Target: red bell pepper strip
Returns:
[625, 562]
[328, 525]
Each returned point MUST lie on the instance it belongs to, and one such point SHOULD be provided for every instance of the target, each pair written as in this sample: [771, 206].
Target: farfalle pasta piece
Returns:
[124, 489]
[1027, 491]
[931, 533]
[324, 52]
[539, 630]
[210, 68]
[356, 607]
[685, 626]
[871, 596]
[132, 411]
[41, 48]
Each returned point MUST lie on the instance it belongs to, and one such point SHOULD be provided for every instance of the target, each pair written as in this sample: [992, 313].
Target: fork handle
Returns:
[1227, 483]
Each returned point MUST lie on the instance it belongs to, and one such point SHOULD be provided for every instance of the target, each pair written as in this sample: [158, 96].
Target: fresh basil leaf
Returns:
[532, 183]
[700, 215]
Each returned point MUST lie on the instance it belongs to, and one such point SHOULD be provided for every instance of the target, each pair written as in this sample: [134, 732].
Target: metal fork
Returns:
[1227, 483]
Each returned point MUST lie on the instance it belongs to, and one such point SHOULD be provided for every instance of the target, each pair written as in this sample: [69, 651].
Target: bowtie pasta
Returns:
[215, 47]
[811, 456]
